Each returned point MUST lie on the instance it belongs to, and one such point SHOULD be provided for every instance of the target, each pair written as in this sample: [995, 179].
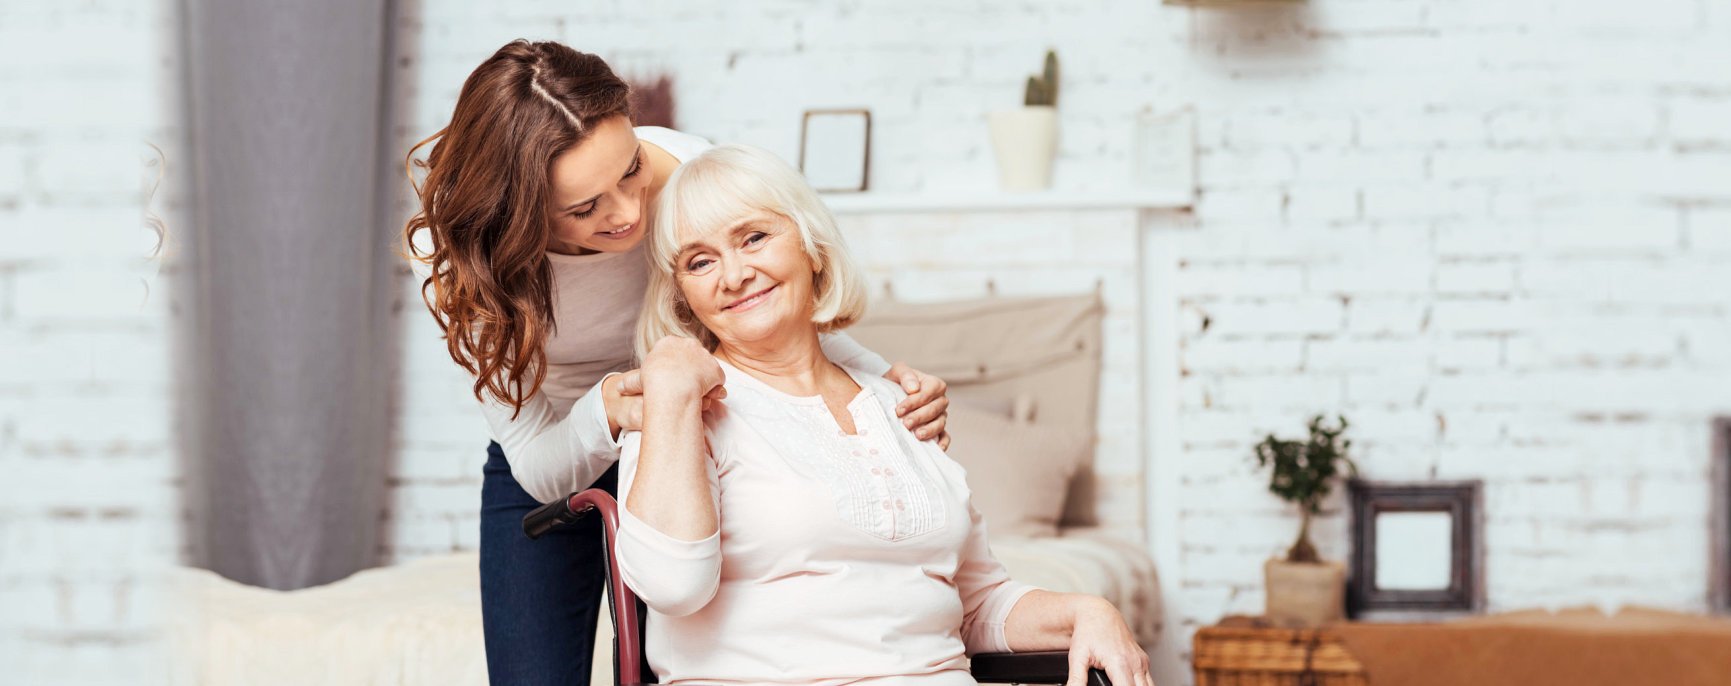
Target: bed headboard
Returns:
[998, 351]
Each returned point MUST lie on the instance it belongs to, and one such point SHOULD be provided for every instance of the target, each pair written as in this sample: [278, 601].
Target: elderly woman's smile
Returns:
[749, 301]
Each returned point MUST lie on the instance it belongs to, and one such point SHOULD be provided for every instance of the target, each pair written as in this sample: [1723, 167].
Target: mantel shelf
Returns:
[996, 201]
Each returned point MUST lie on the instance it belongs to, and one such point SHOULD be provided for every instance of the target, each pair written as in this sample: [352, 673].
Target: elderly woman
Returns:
[796, 532]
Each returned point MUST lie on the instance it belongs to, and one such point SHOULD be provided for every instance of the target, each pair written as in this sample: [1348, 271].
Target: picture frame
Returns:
[835, 149]
[1418, 549]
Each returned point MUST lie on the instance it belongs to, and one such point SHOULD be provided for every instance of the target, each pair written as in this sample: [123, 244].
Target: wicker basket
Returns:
[1264, 656]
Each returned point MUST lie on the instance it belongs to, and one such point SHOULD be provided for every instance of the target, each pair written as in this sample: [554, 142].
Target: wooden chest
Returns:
[1240, 655]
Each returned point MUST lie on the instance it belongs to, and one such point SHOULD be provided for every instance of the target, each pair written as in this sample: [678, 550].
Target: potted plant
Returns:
[1026, 139]
[1303, 589]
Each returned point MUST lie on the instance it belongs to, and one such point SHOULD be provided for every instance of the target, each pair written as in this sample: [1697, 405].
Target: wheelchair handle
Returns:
[551, 516]
[628, 665]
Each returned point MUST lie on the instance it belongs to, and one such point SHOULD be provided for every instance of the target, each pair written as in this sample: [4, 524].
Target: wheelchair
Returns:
[631, 666]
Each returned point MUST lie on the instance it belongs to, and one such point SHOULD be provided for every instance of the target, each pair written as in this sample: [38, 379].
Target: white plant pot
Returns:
[1025, 141]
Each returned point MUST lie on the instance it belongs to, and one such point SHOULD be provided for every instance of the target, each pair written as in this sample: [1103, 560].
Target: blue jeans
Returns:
[539, 599]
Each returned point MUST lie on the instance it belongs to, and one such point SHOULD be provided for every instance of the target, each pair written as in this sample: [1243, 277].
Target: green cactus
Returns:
[1043, 89]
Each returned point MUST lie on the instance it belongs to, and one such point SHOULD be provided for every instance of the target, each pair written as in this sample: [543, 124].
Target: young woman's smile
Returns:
[620, 233]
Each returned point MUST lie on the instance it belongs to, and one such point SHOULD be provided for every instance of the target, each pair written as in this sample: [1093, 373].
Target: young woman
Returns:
[536, 200]
[796, 534]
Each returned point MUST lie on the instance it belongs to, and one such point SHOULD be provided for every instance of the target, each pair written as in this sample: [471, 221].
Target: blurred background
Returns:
[1494, 234]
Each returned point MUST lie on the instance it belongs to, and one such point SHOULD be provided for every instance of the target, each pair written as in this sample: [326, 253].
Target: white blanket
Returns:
[419, 623]
[1093, 562]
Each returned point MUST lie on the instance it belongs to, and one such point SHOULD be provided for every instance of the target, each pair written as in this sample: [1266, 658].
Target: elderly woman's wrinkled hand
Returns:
[679, 368]
[1100, 639]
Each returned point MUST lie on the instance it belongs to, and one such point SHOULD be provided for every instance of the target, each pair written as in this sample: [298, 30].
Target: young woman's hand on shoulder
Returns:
[926, 410]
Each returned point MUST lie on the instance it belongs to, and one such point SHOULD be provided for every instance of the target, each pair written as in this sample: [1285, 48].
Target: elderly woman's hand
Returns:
[926, 409]
[1100, 638]
[679, 369]
[622, 396]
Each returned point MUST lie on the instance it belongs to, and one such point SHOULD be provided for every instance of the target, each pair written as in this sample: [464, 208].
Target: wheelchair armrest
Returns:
[1029, 668]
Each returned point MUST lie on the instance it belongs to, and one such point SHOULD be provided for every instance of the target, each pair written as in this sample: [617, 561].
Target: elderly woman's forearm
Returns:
[1044, 620]
[671, 491]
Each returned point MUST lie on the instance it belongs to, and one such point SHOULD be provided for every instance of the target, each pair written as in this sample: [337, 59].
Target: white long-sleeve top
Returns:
[561, 442]
[840, 558]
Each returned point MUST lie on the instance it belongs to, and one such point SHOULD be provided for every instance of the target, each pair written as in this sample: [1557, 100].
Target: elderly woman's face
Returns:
[748, 281]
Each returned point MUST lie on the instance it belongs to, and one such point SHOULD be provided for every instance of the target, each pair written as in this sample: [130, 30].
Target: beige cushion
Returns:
[994, 351]
[1017, 469]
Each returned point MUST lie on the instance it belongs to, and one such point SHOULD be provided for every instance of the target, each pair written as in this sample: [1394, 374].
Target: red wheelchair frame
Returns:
[631, 669]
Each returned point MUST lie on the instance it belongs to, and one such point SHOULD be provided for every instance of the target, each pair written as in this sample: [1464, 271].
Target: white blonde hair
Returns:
[715, 190]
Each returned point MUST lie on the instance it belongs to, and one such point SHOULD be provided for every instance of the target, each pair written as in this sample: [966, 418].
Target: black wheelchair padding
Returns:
[1029, 668]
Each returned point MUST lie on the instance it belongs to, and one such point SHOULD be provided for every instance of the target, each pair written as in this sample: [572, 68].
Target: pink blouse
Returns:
[840, 559]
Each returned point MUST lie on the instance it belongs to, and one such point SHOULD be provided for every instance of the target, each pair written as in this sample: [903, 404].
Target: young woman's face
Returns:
[748, 281]
[600, 191]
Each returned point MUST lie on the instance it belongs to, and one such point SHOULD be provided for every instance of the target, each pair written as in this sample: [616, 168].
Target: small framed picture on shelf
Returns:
[835, 149]
[1418, 549]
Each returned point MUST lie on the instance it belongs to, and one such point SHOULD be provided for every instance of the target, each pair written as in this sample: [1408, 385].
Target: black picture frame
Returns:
[1462, 501]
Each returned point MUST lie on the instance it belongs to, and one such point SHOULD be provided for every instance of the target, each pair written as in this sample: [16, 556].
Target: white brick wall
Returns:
[1495, 234]
[88, 505]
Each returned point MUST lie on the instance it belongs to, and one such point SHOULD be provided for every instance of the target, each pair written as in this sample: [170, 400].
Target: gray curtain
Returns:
[287, 358]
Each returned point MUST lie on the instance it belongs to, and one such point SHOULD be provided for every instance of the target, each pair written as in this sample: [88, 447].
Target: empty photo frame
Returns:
[835, 149]
[1417, 549]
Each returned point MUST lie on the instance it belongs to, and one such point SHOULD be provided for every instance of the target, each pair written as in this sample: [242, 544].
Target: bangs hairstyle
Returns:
[713, 191]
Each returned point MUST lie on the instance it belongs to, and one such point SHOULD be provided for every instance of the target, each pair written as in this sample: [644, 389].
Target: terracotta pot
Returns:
[1025, 142]
[1304, 594]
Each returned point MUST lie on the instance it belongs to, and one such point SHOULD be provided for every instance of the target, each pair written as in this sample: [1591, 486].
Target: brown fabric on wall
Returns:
[1637, 647]
[287, 303]
[994, 351]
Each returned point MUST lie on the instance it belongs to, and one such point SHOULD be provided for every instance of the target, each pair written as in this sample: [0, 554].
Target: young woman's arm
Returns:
[550, 456]
[845, 351]
[926, 409]
[554, 456]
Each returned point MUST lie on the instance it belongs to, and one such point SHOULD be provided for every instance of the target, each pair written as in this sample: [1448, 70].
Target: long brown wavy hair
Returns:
[486, 211]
